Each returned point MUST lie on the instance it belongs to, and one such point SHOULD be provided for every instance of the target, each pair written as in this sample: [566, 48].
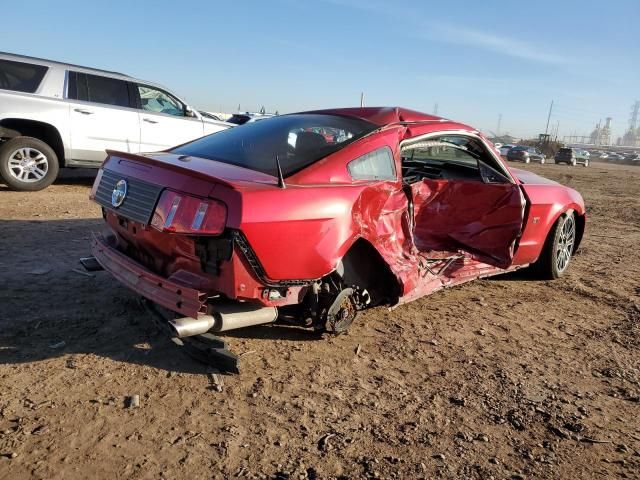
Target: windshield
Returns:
[297, 140]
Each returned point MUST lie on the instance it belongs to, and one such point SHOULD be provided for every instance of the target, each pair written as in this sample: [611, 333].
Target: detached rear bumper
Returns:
[187, 301]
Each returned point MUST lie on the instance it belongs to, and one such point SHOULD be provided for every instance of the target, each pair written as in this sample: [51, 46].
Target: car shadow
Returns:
[52, 308]
[70, 176]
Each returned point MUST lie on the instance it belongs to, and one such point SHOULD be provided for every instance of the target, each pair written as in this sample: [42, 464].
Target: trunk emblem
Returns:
[119, 193]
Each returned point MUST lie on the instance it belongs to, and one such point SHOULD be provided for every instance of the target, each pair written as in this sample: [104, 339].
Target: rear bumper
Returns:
[179, 298]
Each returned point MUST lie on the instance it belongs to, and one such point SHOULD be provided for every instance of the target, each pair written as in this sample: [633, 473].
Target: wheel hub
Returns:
[565, 244]
[28, 165]
[342, 312]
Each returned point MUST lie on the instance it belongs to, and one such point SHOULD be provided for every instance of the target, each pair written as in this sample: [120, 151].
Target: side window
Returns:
[97, 89]
[376, 165]
[449, 150]
[157, 101]
[450, 157]
[20, 76]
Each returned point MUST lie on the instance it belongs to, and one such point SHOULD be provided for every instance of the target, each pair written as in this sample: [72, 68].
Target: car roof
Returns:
[66, 66]
[382, 116]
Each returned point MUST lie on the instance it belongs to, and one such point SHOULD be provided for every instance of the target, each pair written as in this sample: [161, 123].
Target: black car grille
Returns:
[139, 202]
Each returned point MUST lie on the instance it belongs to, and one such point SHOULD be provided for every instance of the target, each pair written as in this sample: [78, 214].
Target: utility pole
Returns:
[361, 99]
[557, 128]
[499, 122]
[435, 109]
[546, 130]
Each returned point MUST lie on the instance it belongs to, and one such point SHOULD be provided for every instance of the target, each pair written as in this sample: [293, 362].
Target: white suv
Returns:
[59, 115]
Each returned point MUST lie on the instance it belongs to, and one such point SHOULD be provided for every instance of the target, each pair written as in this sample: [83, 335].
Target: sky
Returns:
[476, 60]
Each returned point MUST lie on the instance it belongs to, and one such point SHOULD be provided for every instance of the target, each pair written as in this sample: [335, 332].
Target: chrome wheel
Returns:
[28, 165]
[564, 248]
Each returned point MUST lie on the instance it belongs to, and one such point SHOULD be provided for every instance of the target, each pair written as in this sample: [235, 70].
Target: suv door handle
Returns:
[83, 111]
[148, 120]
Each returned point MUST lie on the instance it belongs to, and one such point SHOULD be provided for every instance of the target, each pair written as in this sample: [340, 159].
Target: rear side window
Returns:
[97, 89]
[376, 165]
[20, 76]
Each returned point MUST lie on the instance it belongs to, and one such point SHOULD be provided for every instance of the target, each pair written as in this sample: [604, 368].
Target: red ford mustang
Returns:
[273, 219]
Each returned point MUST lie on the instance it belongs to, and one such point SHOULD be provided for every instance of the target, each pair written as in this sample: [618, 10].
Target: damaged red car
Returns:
[311, 217]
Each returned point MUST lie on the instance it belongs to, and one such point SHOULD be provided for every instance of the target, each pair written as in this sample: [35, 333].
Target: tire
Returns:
[586, 162]
[27, 164]
[558, 248]
[573, 162]
[542, 161]
[527, 160]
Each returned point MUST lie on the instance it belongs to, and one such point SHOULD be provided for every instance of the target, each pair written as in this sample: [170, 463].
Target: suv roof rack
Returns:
[27, 57]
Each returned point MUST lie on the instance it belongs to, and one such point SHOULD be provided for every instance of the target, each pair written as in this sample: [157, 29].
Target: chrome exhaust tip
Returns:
[188, 326]
[224, 317]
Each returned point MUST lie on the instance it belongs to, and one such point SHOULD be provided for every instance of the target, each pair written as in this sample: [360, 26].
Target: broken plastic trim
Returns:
[205, 348]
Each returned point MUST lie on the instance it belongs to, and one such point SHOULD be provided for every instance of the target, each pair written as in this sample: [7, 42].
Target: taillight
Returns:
[178, 213]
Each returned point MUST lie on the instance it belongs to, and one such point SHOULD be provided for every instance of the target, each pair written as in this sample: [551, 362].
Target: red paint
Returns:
[303, 231]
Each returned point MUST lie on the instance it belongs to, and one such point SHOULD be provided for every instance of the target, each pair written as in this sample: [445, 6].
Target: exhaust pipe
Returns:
[224, 317]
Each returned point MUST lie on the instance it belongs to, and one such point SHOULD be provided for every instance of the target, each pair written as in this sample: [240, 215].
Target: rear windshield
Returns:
[20, 76]
[565, 150]
[297, 140]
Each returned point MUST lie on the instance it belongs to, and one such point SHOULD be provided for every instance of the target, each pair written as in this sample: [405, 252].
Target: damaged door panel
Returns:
[482, 219]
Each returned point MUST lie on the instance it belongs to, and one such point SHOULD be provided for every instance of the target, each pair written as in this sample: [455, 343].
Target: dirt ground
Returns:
[501, 378]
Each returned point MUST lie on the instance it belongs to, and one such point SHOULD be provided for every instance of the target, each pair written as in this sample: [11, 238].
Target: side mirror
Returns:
[189, 113]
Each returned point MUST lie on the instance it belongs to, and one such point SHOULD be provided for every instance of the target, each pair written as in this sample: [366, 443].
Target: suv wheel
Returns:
[542, 160]
[27, 164]
[586, 162]
[573, 162]
[527, 159]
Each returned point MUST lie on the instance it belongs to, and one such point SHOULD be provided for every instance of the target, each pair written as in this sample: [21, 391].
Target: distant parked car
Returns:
[246, 117]
[56, 115]
[504, 149]
[571, 156]
[633, 156]
[615, 156]
[526, 154]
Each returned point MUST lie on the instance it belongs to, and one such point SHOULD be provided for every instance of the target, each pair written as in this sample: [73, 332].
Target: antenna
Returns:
[280, 177]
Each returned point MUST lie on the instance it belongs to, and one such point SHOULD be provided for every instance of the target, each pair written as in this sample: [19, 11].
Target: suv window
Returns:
[376, 165]
[97, 89]
[20, 76]
[157, 101]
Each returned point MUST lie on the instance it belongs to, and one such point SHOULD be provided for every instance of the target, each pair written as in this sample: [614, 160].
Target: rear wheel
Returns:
[542, 160]
[573, 162]
[558, 248]
[527, 159]
[27, 164]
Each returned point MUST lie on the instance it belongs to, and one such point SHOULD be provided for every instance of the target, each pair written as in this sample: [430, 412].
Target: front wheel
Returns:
[558, 248]
[542, 160]
[27, 164]
[573, 162]
[586, 162]
[527, 160]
